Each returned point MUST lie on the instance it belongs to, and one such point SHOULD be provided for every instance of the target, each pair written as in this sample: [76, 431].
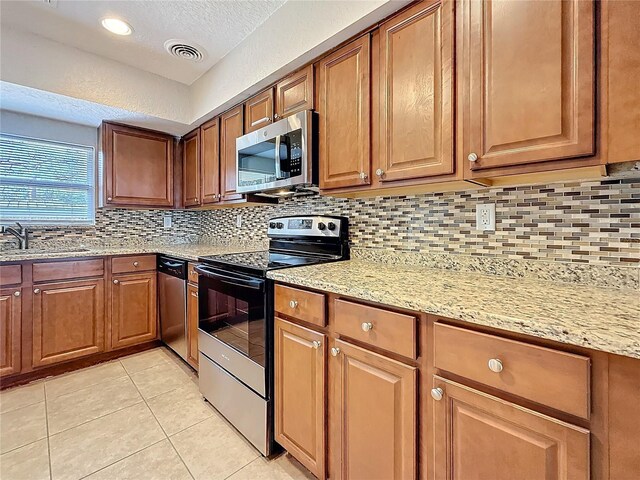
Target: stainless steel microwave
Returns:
[279, 156]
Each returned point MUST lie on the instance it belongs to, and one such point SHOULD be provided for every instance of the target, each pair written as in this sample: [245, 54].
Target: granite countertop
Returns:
[187, 251]
[606, 319]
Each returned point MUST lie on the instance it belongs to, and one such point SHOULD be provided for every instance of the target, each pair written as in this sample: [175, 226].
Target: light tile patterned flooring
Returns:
[138, 417]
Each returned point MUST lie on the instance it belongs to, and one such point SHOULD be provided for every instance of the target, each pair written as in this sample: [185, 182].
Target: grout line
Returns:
[242, 468]
[22, 446]
[46, 421]
[97, 418]
[181, 459]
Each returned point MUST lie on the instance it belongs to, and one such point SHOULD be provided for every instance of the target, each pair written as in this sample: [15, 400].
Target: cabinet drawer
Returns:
[10, 275]
[138, 263]
[300, 304]
[45, 272]
[380, 328]
[549, 377]
[192, 274]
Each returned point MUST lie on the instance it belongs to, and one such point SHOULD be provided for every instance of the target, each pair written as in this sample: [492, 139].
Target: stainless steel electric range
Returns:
[235, 337]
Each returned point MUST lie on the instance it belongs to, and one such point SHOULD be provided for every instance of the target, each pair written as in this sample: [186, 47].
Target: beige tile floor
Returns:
[138, 417]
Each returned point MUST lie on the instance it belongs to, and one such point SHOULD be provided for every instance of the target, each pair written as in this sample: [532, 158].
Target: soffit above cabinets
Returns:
[215, 26]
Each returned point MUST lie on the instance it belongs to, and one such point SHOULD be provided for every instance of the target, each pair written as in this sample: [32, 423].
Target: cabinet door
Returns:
[478, 436]
[376, 399]
[527, 81]
[295, 93]
[300, 394]
[230, 129]
[416, 93]
[191, 169]
[344, 110]
[10, 337]
[127, 153]
[133, 309]
[68, 321]
[192, 325]
[258, 111]
[210, 159]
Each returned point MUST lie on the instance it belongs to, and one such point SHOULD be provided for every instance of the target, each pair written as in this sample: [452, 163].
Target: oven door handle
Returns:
[240, 282]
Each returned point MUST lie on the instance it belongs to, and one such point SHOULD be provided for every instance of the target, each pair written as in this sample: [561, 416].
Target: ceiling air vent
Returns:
[183, 49]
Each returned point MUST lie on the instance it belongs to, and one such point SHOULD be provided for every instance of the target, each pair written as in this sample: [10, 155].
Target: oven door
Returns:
[233, 324]
[274, 156]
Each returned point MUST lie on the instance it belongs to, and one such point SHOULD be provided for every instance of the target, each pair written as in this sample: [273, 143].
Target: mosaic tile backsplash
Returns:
[591, 222]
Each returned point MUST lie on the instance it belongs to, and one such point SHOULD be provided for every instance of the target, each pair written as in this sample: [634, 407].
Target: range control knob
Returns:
[272, 224]
[331, 226]
[321, 226]
[280, 225]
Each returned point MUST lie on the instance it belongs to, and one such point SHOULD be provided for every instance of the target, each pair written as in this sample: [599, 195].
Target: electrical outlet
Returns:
[167, 221]
[239, 220]
[486, 217]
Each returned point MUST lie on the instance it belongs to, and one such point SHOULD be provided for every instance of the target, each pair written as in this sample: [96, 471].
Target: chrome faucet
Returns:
[21, 233]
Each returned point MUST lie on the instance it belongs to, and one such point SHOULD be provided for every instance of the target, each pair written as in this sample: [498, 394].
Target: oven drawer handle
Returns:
[240, 282]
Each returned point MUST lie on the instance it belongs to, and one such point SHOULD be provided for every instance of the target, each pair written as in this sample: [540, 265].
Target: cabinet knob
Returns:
[194, 294]
[16, 294]
[135, 264]
[380, 172]
[116, 281]
[293, 304]
[219, 195]
[195, 199]
[335, 351]
[316, 344]
[437, 393]
[109, 199]
[367, 326]
[495, 365]
[473, 157]
[36, 291]
[363, 176]
[276, 116]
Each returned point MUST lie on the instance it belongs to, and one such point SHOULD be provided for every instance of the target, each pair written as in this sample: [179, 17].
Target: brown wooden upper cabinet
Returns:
[295, 93]
[230, 128]
[10, 336]
[191, 195]
[258, 111]
[138, 167]
[416, 93]
[526, 83]
[68, 320]
[210, 161]
[344, 109]
[478, 436]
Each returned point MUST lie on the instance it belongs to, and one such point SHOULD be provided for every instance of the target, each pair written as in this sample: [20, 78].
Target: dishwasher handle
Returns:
[240, 281]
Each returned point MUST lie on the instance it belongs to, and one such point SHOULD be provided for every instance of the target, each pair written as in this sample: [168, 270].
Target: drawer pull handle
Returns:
[116, 282]
[16, 294]
[316, 344]
[335, 351]
[36, 290]
[437, 393]
[135, 264]
[495, 365]
[293, 304]
[367, 326]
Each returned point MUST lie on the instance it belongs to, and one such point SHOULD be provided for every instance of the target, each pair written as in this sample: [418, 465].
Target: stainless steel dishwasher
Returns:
[172, 294]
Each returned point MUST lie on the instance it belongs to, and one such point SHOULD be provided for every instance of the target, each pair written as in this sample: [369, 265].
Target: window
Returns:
[44, 182]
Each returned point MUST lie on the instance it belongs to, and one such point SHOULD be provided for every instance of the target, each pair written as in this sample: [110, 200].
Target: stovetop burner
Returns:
[264, 260]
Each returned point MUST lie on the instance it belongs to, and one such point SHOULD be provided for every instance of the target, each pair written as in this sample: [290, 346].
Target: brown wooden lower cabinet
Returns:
[376, 400]
[133, 309]
[10, 337]
[300, 394]
[192, 325]
[478, 436]
[68, 320]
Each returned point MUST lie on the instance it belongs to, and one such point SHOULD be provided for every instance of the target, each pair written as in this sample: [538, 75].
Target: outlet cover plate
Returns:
[239, 220]
[167, 221]
[486, 217]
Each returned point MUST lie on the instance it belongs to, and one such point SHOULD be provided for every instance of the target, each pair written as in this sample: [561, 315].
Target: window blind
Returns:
[45, 182]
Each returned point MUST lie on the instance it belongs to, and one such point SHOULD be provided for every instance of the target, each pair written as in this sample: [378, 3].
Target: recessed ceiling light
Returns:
[117, 26]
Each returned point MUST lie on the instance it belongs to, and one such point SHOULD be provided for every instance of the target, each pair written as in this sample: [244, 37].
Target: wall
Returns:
[592, 222]
[47, 129]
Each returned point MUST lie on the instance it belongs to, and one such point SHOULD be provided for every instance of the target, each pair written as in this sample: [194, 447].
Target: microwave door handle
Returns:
[278, 165]
[239, 282]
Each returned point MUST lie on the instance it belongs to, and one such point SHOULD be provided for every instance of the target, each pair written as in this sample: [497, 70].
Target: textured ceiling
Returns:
[218, 26]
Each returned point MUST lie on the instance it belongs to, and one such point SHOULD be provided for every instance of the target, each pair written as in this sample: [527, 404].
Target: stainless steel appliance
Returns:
[235, 337]
[172, 295]
[279, 156]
